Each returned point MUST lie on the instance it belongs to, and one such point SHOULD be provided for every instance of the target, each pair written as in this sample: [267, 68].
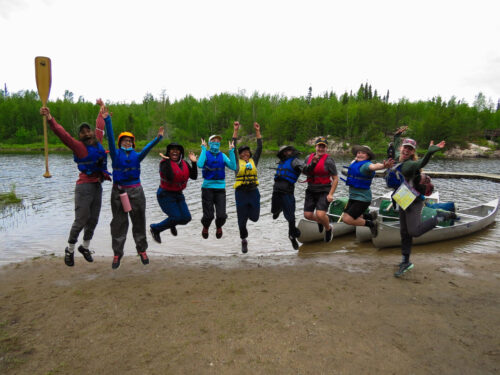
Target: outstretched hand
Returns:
[161, 131]
[401, 129]
[256, 126]
[389, 163]
[192, 157]
[231, 145]
[203, 143]
[99, 102]
[163, 156]
[236, 125]
[440, 144]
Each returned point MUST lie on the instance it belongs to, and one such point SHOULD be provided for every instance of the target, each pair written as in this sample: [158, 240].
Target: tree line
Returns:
[363, 117]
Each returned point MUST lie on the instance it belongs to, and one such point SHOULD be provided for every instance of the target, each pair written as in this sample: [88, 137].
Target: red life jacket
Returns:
[181, 176]
[320, 175]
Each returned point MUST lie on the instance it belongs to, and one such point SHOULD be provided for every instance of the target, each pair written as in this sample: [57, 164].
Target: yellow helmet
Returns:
[126, 134]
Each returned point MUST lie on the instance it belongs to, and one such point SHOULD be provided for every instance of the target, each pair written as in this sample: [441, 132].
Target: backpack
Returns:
[394, 178]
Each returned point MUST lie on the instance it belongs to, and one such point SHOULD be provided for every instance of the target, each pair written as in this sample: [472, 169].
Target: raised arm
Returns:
[258, 151]
[203, 155]
[151, 144]
[99, 122]
[109, 132]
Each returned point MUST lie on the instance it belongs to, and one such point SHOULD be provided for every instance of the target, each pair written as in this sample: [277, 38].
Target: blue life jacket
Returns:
[394, 178]
[126, 168]
[286, 172]
[95, 161]
[356, 179]
[214, 168]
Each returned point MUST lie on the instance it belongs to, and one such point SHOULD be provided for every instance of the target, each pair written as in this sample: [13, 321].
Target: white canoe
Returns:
[471, 220]
[309, 231]
[364, 234]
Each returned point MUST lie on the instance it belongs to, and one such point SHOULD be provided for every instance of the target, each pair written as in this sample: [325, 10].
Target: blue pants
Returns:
[174, 205]
[285, 202]
[247, 207]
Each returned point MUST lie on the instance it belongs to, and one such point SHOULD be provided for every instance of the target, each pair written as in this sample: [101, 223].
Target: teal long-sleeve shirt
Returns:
[229, 162]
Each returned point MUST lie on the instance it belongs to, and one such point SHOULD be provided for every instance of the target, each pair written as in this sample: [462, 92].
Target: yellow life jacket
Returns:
[246, 176]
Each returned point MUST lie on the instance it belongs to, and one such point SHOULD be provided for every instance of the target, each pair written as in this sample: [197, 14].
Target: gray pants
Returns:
[411, 224]
[119, 223]
[88, 198]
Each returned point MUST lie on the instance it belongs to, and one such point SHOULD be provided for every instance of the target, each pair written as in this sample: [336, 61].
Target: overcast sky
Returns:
[119, 50]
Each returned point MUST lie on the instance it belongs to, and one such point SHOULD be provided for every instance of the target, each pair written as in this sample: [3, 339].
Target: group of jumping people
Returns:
[128, 199]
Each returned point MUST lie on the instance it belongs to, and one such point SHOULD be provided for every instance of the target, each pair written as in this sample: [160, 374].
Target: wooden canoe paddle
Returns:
[43, 81]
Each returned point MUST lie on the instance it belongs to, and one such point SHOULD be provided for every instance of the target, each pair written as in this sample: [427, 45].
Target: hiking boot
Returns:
[173, 230]
[69, 258]
[373, 227]
[320, 228]
[446, 215]
[294, 242]
[204, 232]
[328, 234]
[144, 257]
[218, 233]
[86, 253]
[403, 268]
[155, 234]
[116, 261]
[276, 215]
[244, 246]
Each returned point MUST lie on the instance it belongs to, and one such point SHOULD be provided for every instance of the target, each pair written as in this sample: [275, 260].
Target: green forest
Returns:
[363, 117]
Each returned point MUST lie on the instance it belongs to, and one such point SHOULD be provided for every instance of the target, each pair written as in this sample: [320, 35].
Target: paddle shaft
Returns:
[43, 77]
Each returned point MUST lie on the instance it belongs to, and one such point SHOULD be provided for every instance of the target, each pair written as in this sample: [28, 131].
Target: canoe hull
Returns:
[473, 220]
[309, 231]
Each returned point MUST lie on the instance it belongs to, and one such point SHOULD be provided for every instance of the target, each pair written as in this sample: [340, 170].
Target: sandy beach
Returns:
[345, 315]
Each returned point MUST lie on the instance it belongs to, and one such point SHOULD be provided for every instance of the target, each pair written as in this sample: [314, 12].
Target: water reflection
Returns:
[42, 223]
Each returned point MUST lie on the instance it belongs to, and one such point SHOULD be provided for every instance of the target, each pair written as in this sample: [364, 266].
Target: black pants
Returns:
[285, 202]
[213, 201]
[88, 198]
[411, 224]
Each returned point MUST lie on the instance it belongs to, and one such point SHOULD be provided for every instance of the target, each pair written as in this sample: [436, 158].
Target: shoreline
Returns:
[319, 314]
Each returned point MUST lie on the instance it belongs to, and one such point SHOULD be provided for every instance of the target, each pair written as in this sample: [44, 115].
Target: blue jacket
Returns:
[286, 172]
[357, 179]
[95, 161]
[126, 164]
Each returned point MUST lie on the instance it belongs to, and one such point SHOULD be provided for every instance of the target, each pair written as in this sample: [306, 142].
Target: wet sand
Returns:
[338, 314]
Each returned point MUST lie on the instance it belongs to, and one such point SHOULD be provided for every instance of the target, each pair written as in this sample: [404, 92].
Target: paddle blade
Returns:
[43, 77]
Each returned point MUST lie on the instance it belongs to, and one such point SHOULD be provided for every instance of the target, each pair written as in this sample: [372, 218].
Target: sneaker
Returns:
[403, 268]
[218, 233]
[204, 232]
[276, 215]
[294, 242]
[155, 234]
[116, 261]
[244, 246]
[328, 234]
[144, 257]
[86, 253]
[320, 228]
[446, 215]
[69, 258]
[173, 230]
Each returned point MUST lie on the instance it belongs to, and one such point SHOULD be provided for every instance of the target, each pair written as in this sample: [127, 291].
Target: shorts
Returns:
[316, 200]
[356, 208]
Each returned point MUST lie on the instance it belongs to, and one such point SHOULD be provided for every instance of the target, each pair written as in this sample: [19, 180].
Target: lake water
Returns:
[40, 225]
